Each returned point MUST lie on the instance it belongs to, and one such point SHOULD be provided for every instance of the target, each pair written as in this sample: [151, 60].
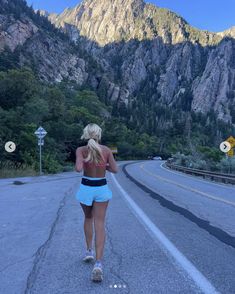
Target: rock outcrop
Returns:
[139, 48]
[141, 44]
[47, 51]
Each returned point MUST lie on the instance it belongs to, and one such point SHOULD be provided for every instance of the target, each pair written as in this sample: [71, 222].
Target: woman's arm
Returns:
[79, 160]
[112, 165]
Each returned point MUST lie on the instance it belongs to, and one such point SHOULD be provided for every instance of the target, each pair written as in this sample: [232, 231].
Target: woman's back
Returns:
[98, 170]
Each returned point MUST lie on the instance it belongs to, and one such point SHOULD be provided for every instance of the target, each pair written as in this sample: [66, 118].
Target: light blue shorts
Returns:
[88, 194]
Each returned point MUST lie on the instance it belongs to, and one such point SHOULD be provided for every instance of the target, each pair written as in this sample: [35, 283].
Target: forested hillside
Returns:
[46, 79]
[27, 103]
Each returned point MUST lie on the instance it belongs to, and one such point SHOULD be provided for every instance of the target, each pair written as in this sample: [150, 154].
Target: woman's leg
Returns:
[99, 211]
[88, 224]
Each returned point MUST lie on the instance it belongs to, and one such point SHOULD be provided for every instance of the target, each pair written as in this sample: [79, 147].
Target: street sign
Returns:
[40, 132]
[230, 153]
[231, 140]
[114, 149]
[40, 142]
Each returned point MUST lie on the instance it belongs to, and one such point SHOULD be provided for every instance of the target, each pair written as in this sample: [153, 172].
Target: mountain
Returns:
[111, 21]
[152, 50]
[130, 52]
[228, 33]
[36, 43]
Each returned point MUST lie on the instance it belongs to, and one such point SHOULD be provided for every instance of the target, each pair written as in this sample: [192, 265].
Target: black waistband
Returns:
[89, 182]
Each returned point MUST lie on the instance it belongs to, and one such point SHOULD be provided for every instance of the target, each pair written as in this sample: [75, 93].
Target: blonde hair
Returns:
[92, 133]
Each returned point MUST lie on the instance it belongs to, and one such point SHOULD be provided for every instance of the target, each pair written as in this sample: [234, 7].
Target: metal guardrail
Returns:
[225, 178]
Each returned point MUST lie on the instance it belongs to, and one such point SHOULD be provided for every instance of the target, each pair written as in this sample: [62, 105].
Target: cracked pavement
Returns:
[42, 242]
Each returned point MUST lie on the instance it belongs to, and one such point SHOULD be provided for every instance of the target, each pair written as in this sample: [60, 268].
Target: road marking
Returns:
[194, 177]
[188, 188]
[199, 279]
[33, 199]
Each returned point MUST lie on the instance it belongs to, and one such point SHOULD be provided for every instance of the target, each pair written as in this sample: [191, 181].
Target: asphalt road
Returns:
[166, 233]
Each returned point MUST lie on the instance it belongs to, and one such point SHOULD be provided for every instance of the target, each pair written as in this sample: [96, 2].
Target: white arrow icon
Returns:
[225, 146]
[10, 146]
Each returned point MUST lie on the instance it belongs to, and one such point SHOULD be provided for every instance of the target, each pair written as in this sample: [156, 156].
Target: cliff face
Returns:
[141, 50]
[215, 87]
[141, 44]
[38, 45]
[114, 20]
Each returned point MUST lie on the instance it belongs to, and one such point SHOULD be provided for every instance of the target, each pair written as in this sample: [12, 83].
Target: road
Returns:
[166, 232]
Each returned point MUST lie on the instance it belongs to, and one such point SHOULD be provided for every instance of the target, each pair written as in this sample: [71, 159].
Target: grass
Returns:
[26, 171]
[15, 173]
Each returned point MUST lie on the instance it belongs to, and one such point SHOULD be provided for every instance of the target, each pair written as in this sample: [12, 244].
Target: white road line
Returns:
[200, 280]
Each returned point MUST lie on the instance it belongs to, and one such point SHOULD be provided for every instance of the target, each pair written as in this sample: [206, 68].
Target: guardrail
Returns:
[225, 178]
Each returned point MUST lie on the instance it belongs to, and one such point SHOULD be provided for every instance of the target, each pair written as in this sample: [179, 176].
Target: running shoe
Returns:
[89, 256]
[97, 272]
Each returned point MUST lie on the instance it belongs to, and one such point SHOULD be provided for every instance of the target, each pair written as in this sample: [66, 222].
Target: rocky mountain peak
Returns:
[43, 12]
[120, 3]
[111, 6]
[103, 21]
[107, 21]
[112, 2]
[228, 33]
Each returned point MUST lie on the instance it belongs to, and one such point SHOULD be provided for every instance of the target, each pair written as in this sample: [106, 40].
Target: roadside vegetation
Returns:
[146, 129]
[211, 160]
[27, 103]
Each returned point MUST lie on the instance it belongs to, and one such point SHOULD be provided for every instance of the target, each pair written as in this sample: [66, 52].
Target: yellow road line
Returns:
[182, 174]
[188, 188]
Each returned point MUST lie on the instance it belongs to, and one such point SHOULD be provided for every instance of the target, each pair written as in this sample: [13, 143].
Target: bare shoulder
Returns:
[80, 149]
[105, 148]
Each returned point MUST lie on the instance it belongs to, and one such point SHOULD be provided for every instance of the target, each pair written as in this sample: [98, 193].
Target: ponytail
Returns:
[92, 133]
[94, 151]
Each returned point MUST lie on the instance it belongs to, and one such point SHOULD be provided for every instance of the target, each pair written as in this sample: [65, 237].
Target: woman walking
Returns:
[94, 194]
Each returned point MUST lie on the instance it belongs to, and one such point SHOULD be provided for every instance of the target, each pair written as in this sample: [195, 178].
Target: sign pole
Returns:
[40, 155]
[40, 133]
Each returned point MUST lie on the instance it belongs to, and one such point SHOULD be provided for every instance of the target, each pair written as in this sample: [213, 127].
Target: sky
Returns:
[211, 15]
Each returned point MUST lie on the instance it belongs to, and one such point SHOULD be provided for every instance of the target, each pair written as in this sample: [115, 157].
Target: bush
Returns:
[51, 165]
[200, 161]
[226, 165]
[68, 168]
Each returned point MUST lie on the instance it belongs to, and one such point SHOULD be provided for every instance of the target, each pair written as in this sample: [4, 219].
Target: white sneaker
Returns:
[89, 256]
[97, 272]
